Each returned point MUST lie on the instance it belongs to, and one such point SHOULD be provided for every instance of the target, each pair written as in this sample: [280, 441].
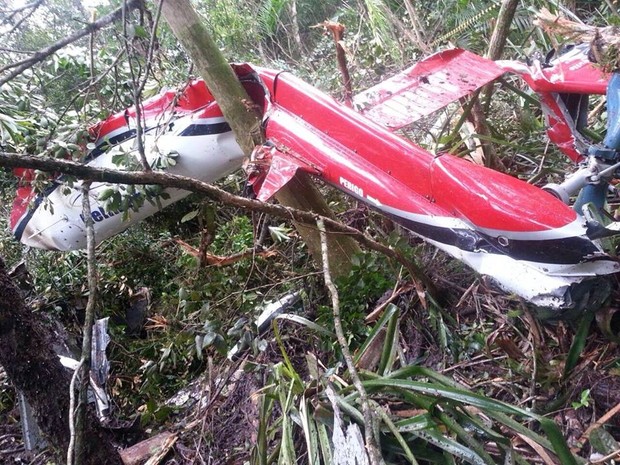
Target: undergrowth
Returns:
[468, 375]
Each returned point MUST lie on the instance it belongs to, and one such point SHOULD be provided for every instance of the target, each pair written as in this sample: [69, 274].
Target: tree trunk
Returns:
[500, 33]
[217, 73]
[496, 47]
[246, 123]
[292, 5]
[301, 193]
[34, 369]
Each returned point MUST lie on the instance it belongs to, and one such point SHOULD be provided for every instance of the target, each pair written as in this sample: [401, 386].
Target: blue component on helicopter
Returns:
[612, 139]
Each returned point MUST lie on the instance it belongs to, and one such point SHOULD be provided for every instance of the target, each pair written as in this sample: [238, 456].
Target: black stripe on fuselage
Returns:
[106, 144]
[563, 251]
[205, 129]
[19, 230]
[198, 129]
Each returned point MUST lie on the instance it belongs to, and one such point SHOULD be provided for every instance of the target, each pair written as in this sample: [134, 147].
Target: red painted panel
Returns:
[426, 87]
[367, 160]
[493, 200]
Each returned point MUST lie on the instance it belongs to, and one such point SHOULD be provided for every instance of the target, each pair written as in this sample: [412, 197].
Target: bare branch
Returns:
[87, 329]
[16, 10]
[372, 443]
[34, 6]
[72, 411]
[16, 160]
[500, 33]
[136, 90]
[151, 50]
[21, 66]
[14, 50]
[29, 6]
[418, 27]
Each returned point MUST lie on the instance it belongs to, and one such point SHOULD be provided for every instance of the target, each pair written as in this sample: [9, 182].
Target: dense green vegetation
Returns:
[470, 378]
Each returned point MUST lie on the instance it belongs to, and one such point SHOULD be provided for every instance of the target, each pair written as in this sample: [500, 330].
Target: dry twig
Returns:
[369, 421]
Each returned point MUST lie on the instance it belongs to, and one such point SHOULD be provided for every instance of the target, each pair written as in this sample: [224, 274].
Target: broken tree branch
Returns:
[337, 31]
[72, 415]
[32, 6]
[604, 41]
[220, 260]
[498, 39]
[418, 28]
[138, 81]
[502, 28]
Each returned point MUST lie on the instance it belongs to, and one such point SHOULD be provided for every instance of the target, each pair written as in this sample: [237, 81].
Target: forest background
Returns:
[472, 377]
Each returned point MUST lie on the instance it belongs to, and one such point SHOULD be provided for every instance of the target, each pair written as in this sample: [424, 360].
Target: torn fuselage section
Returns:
[523, 238]
[562, 276]
[565, 292]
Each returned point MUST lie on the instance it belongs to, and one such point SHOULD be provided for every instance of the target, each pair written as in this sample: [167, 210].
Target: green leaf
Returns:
[199, 345]
[259, 454]
[376, 330]
[138, 31]
[579, 342]
[119, 159]
[306, 322]
[415, 423]
[287, 447]
[280, 233]
[603, 442]
[106, 194]
[310, 431]
[190, 216]
[396, 432]
[287, 362]
[326, 451]
[450, 446]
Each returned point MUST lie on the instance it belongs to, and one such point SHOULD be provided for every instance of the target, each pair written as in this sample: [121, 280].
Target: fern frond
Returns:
[467, 24]
[377, 20]
[269, 14]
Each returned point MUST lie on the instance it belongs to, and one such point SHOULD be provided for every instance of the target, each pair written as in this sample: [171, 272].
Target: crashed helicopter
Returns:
[529, 240]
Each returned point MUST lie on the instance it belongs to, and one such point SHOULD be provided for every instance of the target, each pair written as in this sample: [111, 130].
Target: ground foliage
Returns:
[482, 354]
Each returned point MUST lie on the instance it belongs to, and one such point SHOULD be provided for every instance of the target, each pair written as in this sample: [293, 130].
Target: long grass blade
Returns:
[326, 451]
[450, 446]
[389, 312]
[395, 431]
[310, 432]
[307, 323]
[391, 339]
[579, 342]
[287, 447]
[484, 403]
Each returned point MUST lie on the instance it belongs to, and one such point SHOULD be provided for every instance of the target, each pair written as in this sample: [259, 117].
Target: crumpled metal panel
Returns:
[570, 72]
[426, 87]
